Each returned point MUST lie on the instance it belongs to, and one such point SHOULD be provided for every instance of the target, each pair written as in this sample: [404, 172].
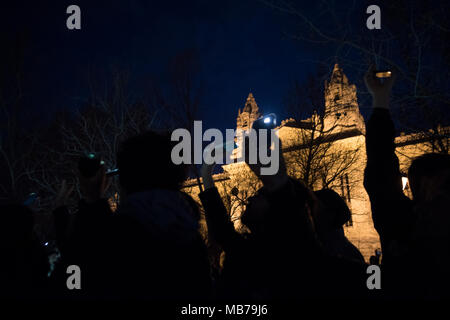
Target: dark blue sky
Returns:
[240, 43]
[241, 47]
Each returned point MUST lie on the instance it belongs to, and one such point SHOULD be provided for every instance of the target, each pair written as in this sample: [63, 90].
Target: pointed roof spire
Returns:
[336, 67]
[338, 75]
[250, 104]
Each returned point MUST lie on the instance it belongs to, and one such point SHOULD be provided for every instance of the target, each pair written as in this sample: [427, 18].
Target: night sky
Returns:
[241, 44]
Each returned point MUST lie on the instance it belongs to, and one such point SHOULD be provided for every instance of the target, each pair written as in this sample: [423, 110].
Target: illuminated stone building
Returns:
[340, 164]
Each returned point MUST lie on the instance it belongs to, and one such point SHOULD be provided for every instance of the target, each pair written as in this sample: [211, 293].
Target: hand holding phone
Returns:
[380, 88]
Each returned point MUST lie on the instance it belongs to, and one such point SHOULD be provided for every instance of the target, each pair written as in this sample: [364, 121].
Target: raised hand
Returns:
[206, 172]
[379, 88]
[271, 182]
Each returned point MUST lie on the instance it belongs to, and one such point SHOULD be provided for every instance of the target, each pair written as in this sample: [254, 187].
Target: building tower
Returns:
[341, 104]
[249, 114]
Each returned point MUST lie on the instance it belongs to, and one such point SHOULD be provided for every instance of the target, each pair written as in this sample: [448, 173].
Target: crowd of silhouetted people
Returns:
[151, 247]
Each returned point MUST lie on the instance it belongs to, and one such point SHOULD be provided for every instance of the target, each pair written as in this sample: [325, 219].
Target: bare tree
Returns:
[414, 38]
[236, 191]
[318, 160]
[14, 150]
[107, 117]
[316, 157]
[98, 127]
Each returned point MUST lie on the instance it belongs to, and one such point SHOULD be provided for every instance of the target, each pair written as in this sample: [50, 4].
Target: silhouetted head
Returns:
[429, 176]
[333, 211]
[257, 216]
[144, 163]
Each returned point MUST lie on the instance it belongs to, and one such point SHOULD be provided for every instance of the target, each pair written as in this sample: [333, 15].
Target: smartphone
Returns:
[89, 165]
[383, 74]
[112, 172]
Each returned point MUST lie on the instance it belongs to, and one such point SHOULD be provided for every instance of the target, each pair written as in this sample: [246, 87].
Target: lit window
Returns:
[404, 183]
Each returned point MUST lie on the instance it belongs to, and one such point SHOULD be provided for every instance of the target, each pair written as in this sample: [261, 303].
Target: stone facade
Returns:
[344, 126]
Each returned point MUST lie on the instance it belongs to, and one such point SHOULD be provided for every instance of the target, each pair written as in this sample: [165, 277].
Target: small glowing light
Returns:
[267, 120]
[383, 74]
[46, 244]
[404, 182]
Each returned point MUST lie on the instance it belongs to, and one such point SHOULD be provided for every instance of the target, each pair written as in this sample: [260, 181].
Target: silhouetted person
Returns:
[281, 257]
[329, 219]
[88, 242]
[414, 233]
[262, 264]
[150, 247]
[159, 248]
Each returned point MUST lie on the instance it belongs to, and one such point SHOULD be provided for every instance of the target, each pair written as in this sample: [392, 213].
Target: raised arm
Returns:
[391, 209]
[220, 227]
